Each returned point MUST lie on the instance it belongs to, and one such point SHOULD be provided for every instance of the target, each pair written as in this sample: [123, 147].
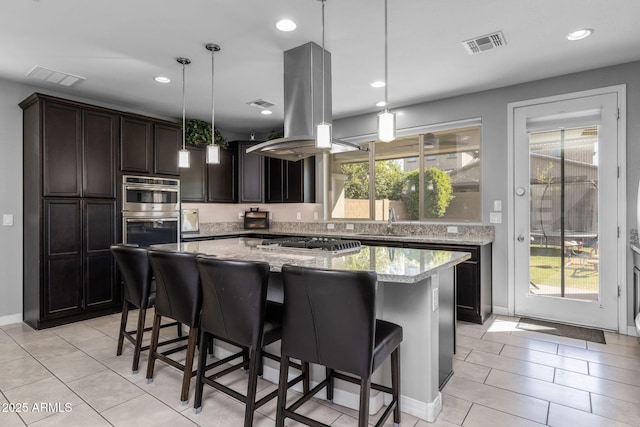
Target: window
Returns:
[430, 174]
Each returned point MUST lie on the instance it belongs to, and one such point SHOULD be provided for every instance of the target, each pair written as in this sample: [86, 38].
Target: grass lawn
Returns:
[546, 268]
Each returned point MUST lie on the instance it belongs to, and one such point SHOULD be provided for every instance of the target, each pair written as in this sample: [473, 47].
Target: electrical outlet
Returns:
[434, 299]
[452, 229]
[349, 226]
[298, 216]
[240, 215]
[495, 218]
[497, 205]
[331, 226]
[7, 220]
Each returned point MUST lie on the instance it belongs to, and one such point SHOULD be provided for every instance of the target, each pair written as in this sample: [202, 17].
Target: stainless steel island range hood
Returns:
[303, 107]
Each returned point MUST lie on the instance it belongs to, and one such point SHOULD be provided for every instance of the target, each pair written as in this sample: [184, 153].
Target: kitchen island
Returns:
[416, 289]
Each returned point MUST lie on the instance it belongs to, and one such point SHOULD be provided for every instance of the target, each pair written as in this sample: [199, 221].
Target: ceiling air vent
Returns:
[261, 103]
[484, 43]
[52, 76]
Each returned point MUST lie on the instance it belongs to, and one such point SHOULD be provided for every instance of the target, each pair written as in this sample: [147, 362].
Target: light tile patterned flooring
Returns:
[503, 377]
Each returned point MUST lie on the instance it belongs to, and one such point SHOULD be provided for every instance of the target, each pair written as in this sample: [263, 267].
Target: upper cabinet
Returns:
[193, 179]
[250, 174]
[149, 147]
[290, 182]
[210, 183]
[79, 147]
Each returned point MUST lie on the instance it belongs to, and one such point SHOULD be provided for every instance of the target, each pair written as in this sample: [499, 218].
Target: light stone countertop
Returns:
[400, 265]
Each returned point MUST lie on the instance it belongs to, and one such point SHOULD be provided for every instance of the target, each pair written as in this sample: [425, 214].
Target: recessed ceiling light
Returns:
[162, 79]
[580, 34]
[377, 83]
[381, 104]
[286, 25]
[266, 112]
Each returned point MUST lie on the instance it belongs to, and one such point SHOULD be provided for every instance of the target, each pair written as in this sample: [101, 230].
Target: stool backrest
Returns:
[178, 294]
[234, 299]
[133, 263]
[329, 317]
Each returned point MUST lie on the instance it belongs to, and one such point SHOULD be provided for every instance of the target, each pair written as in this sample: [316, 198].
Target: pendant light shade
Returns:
[386, 119]
[213, 150]
[183, 155]
[323, 130]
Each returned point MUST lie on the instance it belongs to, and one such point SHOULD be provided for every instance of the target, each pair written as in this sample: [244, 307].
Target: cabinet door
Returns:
[99, 234]
[167, 141]
[62, 287]
[136, 147]
[300, 181]
[192, 179]
[222, 179]
[275, 180]
[251, 170]
[100, 136]
[62, 174]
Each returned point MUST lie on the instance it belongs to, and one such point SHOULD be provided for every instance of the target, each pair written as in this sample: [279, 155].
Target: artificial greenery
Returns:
[199, 132]
[438, 193]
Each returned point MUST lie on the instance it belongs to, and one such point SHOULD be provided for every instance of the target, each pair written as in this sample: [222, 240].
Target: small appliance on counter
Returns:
[190, 221]
[255, 219]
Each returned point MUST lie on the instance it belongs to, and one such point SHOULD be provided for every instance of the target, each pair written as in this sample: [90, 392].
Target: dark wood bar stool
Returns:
[139, 289]
[235, 309]
[329, 319]
[178, 297]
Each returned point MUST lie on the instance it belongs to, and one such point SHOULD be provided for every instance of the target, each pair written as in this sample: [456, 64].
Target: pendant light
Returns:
[183, 155]
[213, 150]
[386, 119]
[323, 130]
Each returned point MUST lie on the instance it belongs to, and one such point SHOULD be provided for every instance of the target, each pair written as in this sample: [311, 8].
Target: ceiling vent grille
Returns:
[52, 76]
[261, 103]
[484, 43]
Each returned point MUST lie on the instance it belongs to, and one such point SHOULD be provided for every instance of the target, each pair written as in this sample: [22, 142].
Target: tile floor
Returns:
[503, 377]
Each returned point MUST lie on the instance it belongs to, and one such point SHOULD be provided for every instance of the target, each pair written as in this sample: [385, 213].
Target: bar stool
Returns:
[329, 319]
[140, 291]
[178, 297]
[235, 309]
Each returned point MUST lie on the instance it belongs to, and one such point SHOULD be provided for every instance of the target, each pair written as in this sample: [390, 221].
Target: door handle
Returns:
[521, 238]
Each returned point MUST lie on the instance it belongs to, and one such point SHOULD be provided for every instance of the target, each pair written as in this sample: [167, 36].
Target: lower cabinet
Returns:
[473, 280]
[78, 278]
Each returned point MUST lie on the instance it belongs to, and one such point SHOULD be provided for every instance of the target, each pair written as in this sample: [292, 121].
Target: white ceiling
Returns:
[120, 45]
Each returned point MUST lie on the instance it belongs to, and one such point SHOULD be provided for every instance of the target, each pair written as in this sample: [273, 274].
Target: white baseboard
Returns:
[502, 311]
[424, 410]
[12, 318]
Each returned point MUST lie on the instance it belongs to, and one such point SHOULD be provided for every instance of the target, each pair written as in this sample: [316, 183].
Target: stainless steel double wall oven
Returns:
[150, 210]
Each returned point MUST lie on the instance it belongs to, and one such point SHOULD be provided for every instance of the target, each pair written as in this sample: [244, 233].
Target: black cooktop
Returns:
[324, 243]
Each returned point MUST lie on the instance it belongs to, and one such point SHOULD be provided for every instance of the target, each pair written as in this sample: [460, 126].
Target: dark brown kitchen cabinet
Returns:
[193, 179]
[290, 182]
[250, 174]
[222, 179]
[149, 147]
[166, 144]
[473, 280]
[136, 145]
[69, 210]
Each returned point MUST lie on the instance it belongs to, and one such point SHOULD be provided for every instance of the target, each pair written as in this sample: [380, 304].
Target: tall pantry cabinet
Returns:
[70, 153]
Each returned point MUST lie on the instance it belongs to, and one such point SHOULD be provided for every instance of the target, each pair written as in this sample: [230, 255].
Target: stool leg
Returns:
[329, 372]
[179, 327]
[123, 325]
[255, 366]
[139, 335]
[395, 383]
[153, 347]
[282, 390]
[202, 363]
[305, 377]
[188, 365]
[363, 415]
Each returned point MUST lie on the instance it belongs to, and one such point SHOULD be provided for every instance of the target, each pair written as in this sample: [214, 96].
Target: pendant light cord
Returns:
[323, 55]
[386, 61]
[184, 109]
[213, 136]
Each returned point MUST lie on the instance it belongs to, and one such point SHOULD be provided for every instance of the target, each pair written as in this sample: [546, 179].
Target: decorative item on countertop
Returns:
[254, 219]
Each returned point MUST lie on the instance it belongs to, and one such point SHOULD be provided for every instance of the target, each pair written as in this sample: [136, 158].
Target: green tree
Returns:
[438, 193]
[389, 180]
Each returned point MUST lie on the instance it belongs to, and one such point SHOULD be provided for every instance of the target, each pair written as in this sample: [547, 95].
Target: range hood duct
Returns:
[303, 107]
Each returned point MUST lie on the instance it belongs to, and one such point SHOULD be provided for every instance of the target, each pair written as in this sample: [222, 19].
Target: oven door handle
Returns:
[147, 188]
[158, 220]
